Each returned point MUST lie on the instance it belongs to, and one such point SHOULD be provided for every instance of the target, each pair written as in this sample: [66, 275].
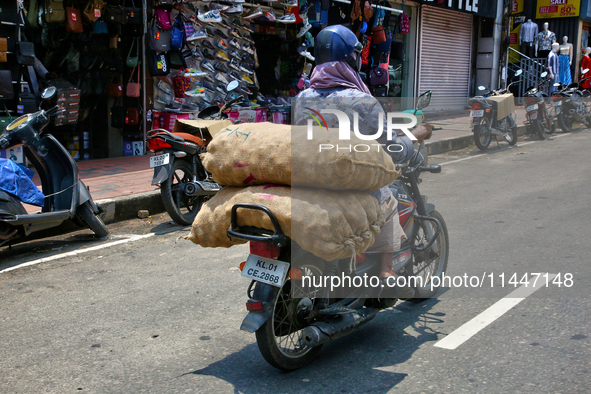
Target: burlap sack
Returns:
[331, 225]
[268, 153]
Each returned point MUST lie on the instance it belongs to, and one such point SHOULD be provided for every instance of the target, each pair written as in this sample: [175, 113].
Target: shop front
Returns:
[92, 52]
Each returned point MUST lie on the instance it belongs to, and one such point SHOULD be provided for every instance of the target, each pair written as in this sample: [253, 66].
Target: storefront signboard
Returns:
[558, 8]
[486, 8]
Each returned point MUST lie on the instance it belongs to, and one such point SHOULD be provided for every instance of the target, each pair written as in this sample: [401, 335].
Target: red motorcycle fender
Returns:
[266, 294]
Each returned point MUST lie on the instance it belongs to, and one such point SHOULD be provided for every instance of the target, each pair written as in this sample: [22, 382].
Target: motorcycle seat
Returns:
[193, 138]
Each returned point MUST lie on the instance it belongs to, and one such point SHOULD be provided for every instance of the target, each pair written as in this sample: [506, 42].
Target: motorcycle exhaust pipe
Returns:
[322, 332]
[199, 188]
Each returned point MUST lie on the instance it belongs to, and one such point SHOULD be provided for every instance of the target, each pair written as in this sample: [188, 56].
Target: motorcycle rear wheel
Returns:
[481, 138]
[435, 266]
[539, 129]
[511, 135]
[94, 222]
[278, 337]
[181, 208]
[565, 123]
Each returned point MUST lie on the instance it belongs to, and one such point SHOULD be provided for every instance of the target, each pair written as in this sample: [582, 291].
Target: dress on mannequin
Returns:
[564, 64]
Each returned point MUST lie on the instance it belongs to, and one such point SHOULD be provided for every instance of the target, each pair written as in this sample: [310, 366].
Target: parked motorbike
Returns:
[66, 196]
[184, 183]
[291, 319]
[570, 106]
[493, 115]
[539, 119]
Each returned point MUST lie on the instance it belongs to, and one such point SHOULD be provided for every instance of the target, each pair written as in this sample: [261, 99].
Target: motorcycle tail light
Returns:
[487, 110]
[476, 105]
[530, 100]
[157, 144]
[264, 249]
[254, 306]
[556, 97]
[295, 274]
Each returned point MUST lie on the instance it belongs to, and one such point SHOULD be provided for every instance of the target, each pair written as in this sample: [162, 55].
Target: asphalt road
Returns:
[143, 314]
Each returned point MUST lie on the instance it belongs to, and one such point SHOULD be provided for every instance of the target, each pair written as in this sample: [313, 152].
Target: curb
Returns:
[456, 143]
[126, 207]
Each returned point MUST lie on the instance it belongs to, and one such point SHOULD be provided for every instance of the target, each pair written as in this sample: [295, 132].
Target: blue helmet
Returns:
[338, 43]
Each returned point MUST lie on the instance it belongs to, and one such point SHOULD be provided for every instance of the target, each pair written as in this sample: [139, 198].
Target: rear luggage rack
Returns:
[248, 233]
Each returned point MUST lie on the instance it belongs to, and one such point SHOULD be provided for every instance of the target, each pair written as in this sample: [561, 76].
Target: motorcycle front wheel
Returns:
[565, 123]
[482, 134]
[181, 208]
[431, 263]
[280, 339]
[92, 221]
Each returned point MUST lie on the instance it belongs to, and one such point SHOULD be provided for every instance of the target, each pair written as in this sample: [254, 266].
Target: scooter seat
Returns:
[193, 138]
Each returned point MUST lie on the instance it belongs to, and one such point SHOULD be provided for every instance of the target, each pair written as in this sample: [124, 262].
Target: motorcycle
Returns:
[65, 195]
[570, 106]
[493, 115]
[292, 320]
[539, 120]
[184, 183]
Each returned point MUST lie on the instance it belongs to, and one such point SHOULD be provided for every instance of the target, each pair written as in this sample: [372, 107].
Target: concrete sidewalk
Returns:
[123, 185]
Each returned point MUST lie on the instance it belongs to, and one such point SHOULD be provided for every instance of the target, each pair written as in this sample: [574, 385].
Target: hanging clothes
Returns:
[586, 64]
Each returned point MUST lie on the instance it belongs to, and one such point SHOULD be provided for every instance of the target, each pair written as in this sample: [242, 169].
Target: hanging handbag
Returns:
[25, 53]
[177, 39]
[100, 27]
[158, 63]
[133, 88]
[132, 61]
[6, 87]
[3, 50]
[54, 11]
[378, 35]
[73, 19]
[33, 13]
[114, 89]
[132, 117]
[115, 14]
[180, 84]
[163, 16]
[133, 14]
[189, 28]
[159, 39]
[93, 10]
[378, 76]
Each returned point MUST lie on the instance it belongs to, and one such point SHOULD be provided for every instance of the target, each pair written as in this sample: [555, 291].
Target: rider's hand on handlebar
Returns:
[423, 132]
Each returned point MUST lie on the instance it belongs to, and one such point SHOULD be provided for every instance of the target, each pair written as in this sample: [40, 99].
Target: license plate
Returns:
[262, 269]
[160, 160]
[556, 103]
[531, 108]
[477, 113]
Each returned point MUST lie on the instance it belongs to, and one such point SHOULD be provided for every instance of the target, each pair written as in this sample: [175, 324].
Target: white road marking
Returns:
[498, 309]
[131, 238]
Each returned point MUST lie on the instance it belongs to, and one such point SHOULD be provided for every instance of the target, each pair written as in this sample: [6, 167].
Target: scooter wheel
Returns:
[92, 221]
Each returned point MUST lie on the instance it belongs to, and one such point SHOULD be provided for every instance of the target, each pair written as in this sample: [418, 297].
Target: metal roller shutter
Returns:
[445, 57]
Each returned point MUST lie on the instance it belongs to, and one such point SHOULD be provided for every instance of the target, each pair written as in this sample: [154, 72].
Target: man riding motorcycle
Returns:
[336, 83]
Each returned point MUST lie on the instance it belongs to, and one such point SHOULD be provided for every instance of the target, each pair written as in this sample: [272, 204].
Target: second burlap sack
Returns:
[329, 224]
[264, 153]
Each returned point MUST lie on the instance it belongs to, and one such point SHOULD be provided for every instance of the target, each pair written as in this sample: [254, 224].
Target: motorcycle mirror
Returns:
[232, 85]
[544, 74]
[481, 88]
[585, 71]
[423, 101]
[48, 93]
[518, 73]
[556, 84]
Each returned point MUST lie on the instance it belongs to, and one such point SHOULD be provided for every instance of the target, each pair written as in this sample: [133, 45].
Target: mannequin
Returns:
[553, 68]
[586, 64]
[565, 60]
[527, 36]
[544, 41]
